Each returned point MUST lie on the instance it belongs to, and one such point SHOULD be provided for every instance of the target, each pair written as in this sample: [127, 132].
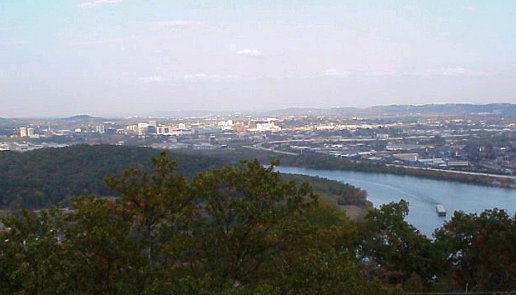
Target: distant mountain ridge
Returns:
[447, 109]
[460, 109]
[80, 118]
[504, 109]
[188, 114]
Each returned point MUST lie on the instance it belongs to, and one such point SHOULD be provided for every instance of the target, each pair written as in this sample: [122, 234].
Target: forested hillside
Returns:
[345, 193]
[48, 176]
[244, 230]
[43, 178]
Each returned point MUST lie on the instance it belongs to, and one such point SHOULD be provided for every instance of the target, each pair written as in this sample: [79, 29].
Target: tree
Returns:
[100, 254]
[394, 250]
[241, 230]
[479, 250]
[243, 220]
[29, 253]
[157, 202]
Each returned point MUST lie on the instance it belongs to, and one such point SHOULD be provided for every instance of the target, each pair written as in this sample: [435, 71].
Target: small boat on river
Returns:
[441, 211]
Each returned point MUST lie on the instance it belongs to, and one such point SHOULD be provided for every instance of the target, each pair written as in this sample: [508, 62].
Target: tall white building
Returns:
[30, 132]
[101, 129]
[23, 132]
[143, 128]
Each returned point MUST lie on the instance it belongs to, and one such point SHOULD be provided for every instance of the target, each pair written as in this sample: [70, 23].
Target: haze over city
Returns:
[122, 57]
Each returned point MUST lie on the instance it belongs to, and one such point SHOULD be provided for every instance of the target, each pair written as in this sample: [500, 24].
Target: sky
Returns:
[127, 57]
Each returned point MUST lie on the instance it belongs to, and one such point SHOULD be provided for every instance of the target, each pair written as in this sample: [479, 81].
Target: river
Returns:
[421, 193]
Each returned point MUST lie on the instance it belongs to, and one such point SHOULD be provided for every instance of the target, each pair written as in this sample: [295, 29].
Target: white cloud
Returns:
[177, 23]
[456, 71]
[383, 73]
[250, 52]
[104, 41]
[197, 77]
[151, 79]
[96, 3]
[314, 26]
[13, 43]
[335, 73]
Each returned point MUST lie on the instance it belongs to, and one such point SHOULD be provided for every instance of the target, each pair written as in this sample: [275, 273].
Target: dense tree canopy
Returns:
[480, 250]
[47, 177]
[243, 229]
[43, 178]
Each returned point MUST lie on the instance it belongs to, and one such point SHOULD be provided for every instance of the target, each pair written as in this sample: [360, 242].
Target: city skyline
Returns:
[117, 57]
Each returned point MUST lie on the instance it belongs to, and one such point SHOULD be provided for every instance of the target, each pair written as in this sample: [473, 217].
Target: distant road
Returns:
[336, 140]
[456, 172]
[261, 148]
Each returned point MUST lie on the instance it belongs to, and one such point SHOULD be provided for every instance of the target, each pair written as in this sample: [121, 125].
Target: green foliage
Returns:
[242, 229]
[332, 191]
[414, 284]
[394, 250]
[47, 177]
[479, 250]
[44, 178]
[246, 215]
[94, 236]
[156, 201]
[29, 252]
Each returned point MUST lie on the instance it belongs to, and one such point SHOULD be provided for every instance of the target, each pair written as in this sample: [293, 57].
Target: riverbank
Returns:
[495, 176]
[483, 179]
[334, 163]
[422, 194]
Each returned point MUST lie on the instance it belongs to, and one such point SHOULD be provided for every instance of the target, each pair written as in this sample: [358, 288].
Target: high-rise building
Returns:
[23, 132]
[143, 128]
[30, 132]
[101, 129]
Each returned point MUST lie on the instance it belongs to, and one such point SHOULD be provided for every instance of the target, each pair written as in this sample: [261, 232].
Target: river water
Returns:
[422, 194]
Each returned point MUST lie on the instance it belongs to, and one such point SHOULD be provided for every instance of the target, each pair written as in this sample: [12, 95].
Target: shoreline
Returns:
[475, 178]
[501, 176]
[330, 163]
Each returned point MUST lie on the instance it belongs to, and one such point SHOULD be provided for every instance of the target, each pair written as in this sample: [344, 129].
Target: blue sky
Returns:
[117, 57]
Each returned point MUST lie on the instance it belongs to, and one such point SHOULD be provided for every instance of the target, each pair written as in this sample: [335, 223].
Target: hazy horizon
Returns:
[121, 57]
[201, 112]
